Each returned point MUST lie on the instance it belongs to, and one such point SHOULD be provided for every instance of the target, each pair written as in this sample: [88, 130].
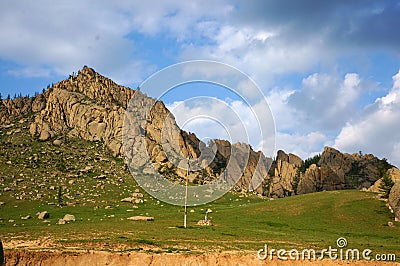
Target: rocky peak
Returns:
[86, 105]
[96, 87]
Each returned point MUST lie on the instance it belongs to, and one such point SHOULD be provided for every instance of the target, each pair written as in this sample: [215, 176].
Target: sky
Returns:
[329, 70]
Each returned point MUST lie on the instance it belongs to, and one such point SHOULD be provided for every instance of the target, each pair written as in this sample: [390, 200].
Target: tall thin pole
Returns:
[186, 192]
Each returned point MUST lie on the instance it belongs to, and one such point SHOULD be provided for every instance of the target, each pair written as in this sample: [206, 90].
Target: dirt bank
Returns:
[17, 257]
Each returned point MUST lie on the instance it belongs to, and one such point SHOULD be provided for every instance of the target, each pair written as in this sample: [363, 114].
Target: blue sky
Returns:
[329, 69]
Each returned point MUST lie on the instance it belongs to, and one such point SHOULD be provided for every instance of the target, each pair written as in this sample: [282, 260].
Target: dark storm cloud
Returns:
[364, 23]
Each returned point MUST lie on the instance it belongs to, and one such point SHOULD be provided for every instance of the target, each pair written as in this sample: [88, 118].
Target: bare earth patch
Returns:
[47, 252]
[14, 257]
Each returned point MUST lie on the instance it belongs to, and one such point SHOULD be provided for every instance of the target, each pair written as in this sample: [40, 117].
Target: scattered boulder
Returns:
[132, 200]
[128, 199]
[69, 218]
[137, 195]
[57, 142]
[205, 223]
[86, 169]
[43, 215]
[141, 218]
[61, 221]
[26, 217]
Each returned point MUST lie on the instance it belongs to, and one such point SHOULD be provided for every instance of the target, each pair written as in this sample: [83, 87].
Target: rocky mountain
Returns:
[92, 107]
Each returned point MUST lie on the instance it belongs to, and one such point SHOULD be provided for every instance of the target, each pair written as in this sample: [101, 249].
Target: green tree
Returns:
[308, 162]
[386, 185]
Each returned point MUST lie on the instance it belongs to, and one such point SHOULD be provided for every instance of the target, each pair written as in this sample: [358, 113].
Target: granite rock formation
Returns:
[92, 107]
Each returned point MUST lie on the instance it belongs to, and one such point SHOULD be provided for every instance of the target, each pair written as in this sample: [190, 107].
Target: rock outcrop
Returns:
[393, 173]
[354, 170]
[92, 107]
[320, 178]
[10, 110]
[167, 147]
[284, 175]
[334, 170]
[87, 106]
[394, 200]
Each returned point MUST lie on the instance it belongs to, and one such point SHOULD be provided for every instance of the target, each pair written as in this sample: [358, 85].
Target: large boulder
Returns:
[43, 215]
[394, 200]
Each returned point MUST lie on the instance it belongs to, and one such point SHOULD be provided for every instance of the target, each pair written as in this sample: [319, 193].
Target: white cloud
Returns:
[257, 52]
[377, 130]
[208, 116]
[304, 146]
[327, 102]
[231, 120]
[57, 38]
[30, 72]
[285, 116]
[65, 35]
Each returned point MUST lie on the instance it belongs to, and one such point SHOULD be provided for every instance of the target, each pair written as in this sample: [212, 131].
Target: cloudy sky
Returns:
[328, 69]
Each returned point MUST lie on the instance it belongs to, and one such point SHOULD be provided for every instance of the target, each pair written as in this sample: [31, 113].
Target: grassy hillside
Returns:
[92, 185]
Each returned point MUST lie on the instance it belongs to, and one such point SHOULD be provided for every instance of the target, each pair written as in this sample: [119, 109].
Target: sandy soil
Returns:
[46, 252]
[18, 257]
